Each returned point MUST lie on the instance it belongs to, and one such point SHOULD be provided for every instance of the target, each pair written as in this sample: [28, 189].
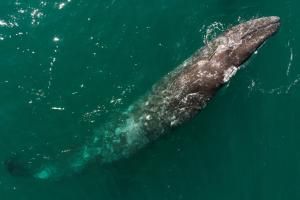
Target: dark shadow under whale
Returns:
[178, 97]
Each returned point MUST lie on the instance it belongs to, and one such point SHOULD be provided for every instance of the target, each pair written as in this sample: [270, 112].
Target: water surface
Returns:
[67, 66]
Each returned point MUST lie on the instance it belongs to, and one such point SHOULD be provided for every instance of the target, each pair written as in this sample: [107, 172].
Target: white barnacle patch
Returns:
[211, 74]
[183, 80]
[174, 121]
[228, 73]
[234, 43]
[189, 97]
[221, 48]
[207, 74]
[199, 74]
[201, 62]
[148, 117]
[216, 64]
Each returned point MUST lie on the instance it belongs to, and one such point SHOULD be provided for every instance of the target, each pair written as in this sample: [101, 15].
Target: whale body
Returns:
[178, 97]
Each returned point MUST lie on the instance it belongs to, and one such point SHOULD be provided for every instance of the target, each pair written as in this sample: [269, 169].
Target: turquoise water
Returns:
[66, 67]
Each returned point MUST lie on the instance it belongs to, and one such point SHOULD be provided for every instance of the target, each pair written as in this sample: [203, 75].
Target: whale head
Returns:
[238, 43]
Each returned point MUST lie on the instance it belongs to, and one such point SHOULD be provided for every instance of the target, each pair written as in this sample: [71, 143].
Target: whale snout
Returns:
[240, 41]
[274, 18]
[260, 28]
[269, 19]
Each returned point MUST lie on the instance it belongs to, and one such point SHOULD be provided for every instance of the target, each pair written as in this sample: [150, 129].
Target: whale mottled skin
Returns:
[186, 90]
[178, 97]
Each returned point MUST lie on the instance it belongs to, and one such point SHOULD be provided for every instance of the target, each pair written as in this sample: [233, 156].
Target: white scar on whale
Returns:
[178, 97]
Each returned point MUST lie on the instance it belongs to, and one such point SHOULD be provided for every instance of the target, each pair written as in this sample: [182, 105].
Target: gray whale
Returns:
[178, 97]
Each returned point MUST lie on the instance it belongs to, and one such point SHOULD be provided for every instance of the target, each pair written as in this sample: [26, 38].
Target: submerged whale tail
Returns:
[20, 167]
[114, 140]
[55, 170]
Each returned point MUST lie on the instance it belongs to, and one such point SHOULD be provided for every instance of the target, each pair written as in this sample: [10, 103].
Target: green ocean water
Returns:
[67, 66]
